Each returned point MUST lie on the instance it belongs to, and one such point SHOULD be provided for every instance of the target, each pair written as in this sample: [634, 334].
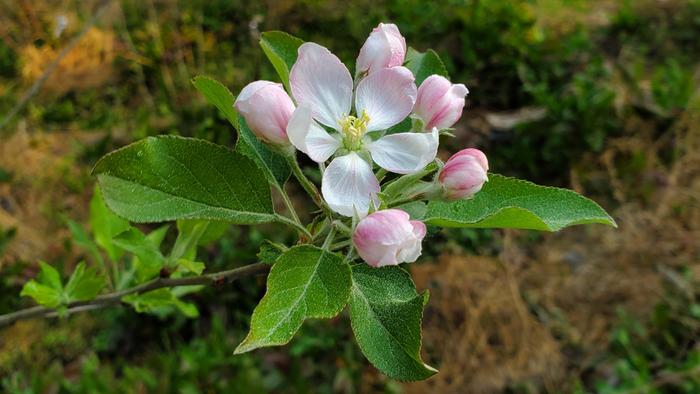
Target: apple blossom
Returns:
[439, 103]
[267, 109]
[323, 89]
[385, 47]
[464, 174]
[388, 237]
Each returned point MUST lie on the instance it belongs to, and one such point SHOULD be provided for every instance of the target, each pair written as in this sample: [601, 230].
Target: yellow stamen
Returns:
[354, 129]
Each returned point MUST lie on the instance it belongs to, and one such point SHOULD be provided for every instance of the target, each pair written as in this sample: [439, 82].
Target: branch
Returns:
[217, 278]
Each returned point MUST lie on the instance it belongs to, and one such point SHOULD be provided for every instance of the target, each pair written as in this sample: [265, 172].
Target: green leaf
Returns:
[385, 313]
[189, 233]
[84, 284]
[49, 276]
[425, 64]
[512, 203]
[273, 165]
[214, 232]
[160, 301]
[281, 49]
[82, 239]
[105, 225]
[270, 251]
[305, 282]
[150, 259]
[42, 294]
[168, 178]
[192, 267]
[415, 209]
[218, 95]
[47, 289]
[158, 235]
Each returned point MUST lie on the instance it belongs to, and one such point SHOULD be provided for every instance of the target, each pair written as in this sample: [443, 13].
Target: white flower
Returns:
[323, 89]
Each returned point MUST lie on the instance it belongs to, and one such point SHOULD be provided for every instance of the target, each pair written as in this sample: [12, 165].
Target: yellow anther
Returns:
[354, 129]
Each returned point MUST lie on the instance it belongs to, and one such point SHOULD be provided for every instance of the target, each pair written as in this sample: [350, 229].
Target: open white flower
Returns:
[323, 89]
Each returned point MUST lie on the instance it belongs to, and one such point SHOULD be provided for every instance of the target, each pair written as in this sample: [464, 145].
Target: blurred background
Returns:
[601, 96]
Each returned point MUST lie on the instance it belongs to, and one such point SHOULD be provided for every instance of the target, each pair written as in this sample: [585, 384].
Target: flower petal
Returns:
[385, 47]
[387, 96]
[405, 153]
[320, 80]
[307, 136]
[349, 184]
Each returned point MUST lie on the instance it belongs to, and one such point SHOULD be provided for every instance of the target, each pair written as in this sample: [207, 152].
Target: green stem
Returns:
[291, 223]
[342, 227]
[288, 204]
[320, 231]
[308, 185]
[329, 239]
[340, 245]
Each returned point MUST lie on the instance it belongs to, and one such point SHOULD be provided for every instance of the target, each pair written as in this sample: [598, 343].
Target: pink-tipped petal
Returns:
[419, 229]
[464, 174]
[348, 185]
[405, 153]
[440, 103]
[385, 47]
[386, 96]
[388, 237]
[266, 108]
[321, 81]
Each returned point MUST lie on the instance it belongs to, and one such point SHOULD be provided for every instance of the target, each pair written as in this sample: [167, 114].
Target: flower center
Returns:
[353, 129]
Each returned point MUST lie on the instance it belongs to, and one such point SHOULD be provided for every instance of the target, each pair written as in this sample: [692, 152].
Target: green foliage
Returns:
[160, 302]
[305, 282]
[105, 224]
[169, 178]
[84, 284]
[672, 85]
[423, 65]
[48, 290]
[511, 203]
[273, 165]
[386, 314]
[149, 259]
[270, 251]
[281, 49]
[218, 95]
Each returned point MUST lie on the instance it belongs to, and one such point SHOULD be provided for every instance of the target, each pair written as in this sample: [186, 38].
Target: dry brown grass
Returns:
[45, 183]
[87, 66]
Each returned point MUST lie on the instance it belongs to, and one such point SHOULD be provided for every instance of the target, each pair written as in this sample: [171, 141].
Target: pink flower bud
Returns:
[464, 174]
[266, 108]
[385, 47]
[439, 103]
[388, 237]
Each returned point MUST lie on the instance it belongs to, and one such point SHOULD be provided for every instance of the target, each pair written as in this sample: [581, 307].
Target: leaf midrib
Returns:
[296, 303]
[356, 288]
[175, 196]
